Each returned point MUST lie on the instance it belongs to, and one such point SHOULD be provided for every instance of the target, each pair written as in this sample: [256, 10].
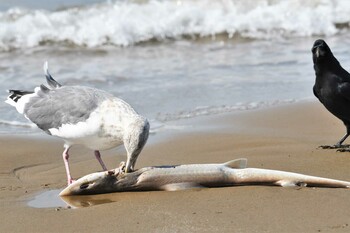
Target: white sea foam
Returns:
[212, 110]
[124, 23]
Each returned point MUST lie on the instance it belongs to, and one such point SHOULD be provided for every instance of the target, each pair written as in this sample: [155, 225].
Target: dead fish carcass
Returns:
[171, 178]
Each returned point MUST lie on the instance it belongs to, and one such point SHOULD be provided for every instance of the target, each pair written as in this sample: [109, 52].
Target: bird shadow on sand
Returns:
[338, 148]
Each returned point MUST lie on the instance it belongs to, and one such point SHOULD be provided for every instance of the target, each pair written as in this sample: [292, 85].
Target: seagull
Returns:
[83, 115]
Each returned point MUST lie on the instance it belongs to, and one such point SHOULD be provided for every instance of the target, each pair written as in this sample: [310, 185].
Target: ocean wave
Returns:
[124, 23]
[17, 124]
[213, 110]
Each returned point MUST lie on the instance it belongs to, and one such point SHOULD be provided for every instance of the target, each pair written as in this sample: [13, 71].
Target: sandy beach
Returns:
[283, 138]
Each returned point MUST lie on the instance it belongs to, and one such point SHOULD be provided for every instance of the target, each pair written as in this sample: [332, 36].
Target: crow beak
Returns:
[317, 52]
[318, 49]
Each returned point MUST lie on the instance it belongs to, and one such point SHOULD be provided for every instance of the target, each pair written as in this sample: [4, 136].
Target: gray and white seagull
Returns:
[83, 115]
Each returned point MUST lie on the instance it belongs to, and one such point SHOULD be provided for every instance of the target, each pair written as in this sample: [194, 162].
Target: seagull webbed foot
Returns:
[122, 167]
[70, 181]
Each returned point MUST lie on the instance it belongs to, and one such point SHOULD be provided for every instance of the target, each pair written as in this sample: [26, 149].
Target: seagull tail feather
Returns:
[15, 95]
[50, 80]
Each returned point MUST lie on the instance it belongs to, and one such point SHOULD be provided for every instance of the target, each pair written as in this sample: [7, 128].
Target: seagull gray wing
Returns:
[51, 108]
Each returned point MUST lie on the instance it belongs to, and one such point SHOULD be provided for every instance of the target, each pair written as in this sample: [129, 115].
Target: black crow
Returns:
[332, 86]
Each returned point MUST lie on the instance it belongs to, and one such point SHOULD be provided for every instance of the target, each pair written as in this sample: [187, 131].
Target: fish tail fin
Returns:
[237, 163]
[312, 181]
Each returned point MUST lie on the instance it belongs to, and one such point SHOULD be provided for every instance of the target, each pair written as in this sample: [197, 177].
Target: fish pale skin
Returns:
[179, 177]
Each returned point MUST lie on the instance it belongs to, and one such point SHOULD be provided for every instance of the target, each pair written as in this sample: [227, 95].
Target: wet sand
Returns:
[283, 138]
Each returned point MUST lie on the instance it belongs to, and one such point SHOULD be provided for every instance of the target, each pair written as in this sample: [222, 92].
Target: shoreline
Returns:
[282, 138]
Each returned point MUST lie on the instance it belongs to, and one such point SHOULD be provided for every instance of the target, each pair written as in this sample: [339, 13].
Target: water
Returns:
[47, 199]
[170, 59]
[51, 199]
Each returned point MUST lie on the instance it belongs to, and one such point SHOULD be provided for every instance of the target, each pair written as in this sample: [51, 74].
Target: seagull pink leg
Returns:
[98, 157]
[65, 156]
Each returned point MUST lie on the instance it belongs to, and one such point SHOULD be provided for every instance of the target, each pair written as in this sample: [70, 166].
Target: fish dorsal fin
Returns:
[237, 163]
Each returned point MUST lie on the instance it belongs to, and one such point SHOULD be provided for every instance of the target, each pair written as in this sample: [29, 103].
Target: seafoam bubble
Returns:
[124, 23]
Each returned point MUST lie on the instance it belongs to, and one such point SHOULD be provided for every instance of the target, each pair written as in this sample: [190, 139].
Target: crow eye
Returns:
[84, 186]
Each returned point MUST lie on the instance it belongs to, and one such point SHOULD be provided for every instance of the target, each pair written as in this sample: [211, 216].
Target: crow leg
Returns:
[339, 145]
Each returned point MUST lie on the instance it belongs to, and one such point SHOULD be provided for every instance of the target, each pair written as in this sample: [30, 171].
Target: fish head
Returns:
[320, 51]
[99, 182]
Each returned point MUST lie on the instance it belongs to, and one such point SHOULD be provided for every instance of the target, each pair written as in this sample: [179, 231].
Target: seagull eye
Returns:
[84, 186]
